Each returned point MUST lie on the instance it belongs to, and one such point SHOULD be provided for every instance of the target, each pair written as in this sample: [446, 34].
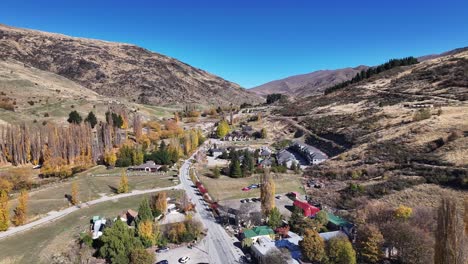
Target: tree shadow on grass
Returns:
[113, 189]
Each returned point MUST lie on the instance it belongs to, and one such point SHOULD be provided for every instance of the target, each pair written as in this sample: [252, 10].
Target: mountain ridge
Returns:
[308, 83]
[119, 69]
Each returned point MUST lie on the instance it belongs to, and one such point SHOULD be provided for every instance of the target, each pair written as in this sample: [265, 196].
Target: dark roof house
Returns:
[149, 166]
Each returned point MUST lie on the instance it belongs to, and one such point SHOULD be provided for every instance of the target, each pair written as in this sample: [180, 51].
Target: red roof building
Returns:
[307, 209]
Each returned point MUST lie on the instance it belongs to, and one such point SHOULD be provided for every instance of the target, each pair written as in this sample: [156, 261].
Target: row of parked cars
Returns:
[256, 199]
[251, 186]
[166, 249]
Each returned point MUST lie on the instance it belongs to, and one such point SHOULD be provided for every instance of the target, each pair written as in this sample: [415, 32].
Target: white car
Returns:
[184, 259]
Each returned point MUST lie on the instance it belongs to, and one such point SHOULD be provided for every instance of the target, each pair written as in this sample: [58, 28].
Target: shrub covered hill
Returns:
[407, 124]
[119, 70]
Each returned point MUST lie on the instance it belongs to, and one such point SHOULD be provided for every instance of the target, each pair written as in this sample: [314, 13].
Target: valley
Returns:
[111, 153]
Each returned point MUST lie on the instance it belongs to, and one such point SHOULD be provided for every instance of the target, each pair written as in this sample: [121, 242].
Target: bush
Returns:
[454, 135]
[86, 239]
[299, 133]
[421, 114]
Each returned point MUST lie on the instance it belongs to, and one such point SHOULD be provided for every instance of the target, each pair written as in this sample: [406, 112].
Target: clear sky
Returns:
[253, 42]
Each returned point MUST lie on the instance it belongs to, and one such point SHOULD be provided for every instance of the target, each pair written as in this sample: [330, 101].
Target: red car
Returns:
[245, 189]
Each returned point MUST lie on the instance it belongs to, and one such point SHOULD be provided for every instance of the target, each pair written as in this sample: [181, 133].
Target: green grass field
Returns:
[39, 244]
[226, 188]
[52, 197]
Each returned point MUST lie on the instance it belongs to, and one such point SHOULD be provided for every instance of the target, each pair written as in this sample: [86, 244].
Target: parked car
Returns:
[163, 262]
[248, 200]
[162, 250]
[253, 186]
[278, 196]
[184, 259]
[245, 189]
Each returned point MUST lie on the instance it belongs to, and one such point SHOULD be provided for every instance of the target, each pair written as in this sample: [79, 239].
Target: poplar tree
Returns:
[137, 126]
[123, 185]
[222, 129]
[451, 241]
[20, 212]
[4, 211]
[74, 193]
[267, 193]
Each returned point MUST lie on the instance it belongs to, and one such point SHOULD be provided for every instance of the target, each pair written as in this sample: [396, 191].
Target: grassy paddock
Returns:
[52, 197]
[226, 188]
[39, 244]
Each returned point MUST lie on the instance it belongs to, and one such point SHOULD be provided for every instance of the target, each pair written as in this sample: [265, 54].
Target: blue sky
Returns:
[253, 42]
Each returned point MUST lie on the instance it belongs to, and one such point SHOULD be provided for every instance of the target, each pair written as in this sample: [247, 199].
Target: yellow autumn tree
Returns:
[21, 210]
[145, 231]
[5, 185]
[267, 193]
[110, 158]
[161, 202]
[123, 185]
[194, 139]
[74, 193]
[4, 211]
[223, 129]
[403, 212]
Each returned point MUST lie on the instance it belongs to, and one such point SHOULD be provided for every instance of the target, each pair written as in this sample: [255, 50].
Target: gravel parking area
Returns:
[283, 203]
[197, 254]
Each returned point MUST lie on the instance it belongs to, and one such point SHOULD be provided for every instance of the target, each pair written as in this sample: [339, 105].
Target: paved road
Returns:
[219, 246]
[55, 215]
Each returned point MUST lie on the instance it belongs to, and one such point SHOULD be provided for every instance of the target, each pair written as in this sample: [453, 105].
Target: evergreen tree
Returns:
[4, 211]
[235, 169]
[144, 212]
[275, 218]
[91, 119]
[74, 117]
[247, 164]
[118, 242]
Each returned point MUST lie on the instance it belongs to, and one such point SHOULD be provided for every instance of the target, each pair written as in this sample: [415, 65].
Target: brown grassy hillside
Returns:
[383, 133]
[309, 83]
[119, 70]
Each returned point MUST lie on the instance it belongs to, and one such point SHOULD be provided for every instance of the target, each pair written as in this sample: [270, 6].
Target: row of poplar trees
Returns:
[56, 147]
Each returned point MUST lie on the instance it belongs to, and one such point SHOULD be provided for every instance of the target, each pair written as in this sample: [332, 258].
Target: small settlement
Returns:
[263, 240]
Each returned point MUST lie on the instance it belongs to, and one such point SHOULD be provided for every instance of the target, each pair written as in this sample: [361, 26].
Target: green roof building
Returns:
[258, 231]
[337, 221]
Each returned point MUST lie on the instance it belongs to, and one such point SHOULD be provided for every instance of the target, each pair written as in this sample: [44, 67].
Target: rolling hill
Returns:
[119, 70]
[308, 84]
[409, 121]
